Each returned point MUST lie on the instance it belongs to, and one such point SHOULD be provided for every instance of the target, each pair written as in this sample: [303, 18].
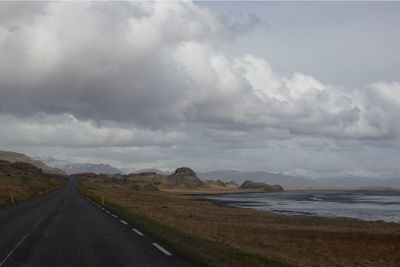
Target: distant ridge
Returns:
[258, 176]
[131, 170]
[183, 178]
[90, 168]
[308, 179]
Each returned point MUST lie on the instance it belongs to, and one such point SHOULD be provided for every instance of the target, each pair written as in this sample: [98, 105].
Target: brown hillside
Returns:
[23, 180]
[18, 157]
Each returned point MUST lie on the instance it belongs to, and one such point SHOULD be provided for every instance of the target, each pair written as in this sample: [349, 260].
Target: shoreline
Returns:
[246, 191]
[233, 204]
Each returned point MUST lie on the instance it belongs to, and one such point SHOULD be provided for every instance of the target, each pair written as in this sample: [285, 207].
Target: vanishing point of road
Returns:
[63, 228]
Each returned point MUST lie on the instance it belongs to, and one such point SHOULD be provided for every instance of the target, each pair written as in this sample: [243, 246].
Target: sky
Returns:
[269, 86]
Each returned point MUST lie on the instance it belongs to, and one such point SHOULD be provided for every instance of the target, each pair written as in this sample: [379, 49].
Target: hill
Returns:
[259, 176]
[18, 157]
[183, 179]
[261, 186]
[23, 180]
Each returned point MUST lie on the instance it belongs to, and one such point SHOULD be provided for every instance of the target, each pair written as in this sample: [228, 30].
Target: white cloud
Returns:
[151, 74]
[66, 131]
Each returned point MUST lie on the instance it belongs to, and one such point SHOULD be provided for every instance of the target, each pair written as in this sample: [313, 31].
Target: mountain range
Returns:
[97, 168]
[291, 179]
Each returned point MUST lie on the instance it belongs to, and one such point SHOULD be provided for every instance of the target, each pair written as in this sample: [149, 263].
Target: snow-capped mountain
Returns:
[340, 174]
[92, 168]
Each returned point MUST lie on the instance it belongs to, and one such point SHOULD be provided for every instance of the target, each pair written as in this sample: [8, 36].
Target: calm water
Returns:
[362, 205]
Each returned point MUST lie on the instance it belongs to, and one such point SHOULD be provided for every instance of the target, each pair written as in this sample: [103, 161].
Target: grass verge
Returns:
[202, 251]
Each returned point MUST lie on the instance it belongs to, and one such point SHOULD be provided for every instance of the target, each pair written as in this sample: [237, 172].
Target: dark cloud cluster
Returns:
[150, 74]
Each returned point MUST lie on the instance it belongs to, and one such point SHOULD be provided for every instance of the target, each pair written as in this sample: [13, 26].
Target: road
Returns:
[64, 228]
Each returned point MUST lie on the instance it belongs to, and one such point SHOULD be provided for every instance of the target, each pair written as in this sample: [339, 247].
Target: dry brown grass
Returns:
[23, 183]
[302, 241]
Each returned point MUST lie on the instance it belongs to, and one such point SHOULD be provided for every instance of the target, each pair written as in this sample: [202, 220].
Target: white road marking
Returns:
[115, 216]
[12, 251]
[124, 222]
[138, 232]
[37, 223]
[163, 250]
[41, 218]
[107, 211]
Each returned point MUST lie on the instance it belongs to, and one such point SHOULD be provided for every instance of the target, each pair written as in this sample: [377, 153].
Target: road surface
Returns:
[64, 228]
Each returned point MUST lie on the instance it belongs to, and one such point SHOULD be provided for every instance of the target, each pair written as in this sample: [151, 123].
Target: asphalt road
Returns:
[65, 229]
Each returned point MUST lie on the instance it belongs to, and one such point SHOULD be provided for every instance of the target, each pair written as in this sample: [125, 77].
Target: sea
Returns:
[364, 205]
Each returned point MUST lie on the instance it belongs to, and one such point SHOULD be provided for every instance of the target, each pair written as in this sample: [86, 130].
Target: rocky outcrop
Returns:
[248, 184]
[277, 188]
[185, 177]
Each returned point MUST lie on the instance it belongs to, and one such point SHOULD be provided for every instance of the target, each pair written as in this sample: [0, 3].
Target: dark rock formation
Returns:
[185, 177]
[261, 186]
[277, 188]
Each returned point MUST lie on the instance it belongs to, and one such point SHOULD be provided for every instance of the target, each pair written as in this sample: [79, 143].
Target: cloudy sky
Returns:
[210, 85]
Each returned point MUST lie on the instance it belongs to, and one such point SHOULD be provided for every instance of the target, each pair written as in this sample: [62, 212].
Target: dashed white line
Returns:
[12, 251]
[124, 222]
[107, 211]
[37, 223]
[138, 232]
[115, 216]
[163, 250]
[42, 217]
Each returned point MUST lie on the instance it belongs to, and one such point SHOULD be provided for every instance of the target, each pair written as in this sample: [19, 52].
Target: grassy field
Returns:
[20, 181]
[222, 236]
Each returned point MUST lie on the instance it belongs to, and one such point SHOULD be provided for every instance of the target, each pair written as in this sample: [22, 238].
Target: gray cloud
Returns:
[16, 12]
[150, 75]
